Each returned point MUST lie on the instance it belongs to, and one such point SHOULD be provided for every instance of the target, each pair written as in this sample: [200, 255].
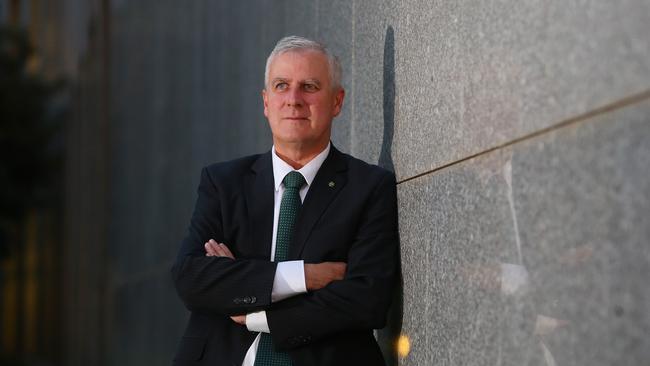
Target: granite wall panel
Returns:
[470, 76]
[535, 254]
[373, 79]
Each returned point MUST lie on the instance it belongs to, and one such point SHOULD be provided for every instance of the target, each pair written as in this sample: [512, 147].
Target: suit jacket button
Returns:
[247, 300]
[237, 300]
[253, 299]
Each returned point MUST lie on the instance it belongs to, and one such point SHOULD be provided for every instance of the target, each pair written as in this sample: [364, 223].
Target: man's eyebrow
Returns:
[279, 79]
[314, 81]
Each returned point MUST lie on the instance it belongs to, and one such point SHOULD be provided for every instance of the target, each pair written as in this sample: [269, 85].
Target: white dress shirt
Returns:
[289, 277]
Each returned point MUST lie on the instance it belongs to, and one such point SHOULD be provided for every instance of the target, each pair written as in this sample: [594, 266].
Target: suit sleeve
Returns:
[358, 302]
[216, 284]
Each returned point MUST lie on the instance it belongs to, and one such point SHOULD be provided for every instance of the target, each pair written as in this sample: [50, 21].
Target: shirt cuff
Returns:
[289, 280]
[256, 322]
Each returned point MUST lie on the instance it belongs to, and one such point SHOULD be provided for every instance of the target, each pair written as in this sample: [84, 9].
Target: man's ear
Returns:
[265, 100]
[339, 95]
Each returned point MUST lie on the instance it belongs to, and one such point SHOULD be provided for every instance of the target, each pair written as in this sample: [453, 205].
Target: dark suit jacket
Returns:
[352, 220]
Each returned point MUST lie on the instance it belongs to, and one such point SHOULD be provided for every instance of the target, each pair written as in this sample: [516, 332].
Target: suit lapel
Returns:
[259, 201]
[329, 181]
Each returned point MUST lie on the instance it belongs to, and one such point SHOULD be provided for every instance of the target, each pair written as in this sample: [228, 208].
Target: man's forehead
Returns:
[314, 79]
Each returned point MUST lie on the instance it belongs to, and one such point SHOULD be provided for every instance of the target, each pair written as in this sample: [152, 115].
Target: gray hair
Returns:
[296, 43]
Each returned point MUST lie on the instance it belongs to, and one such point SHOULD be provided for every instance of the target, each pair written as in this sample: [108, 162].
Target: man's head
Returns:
[302, 93]
[298, 44]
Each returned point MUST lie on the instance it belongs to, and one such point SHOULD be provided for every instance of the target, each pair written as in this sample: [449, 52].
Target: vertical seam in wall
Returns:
[352, 79]
[105, 322]
[582, 118]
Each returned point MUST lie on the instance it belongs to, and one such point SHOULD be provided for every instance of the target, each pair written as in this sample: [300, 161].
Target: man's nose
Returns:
[294, 98]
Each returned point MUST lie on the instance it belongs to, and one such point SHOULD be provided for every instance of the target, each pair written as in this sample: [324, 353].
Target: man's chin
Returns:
[293, 137]
[300, 142]
[294, 141]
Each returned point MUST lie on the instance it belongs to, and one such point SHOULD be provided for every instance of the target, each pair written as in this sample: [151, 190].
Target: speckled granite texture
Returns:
[533, 252]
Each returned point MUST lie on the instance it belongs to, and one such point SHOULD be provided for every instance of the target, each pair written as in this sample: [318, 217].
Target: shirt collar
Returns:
[308, 171]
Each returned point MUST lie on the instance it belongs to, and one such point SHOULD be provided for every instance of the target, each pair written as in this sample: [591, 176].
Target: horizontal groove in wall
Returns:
[619, 104]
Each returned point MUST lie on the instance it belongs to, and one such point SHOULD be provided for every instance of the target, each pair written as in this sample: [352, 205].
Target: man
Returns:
[291, 256]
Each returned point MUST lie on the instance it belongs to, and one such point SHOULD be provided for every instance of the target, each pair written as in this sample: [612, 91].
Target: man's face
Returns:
[299, 100]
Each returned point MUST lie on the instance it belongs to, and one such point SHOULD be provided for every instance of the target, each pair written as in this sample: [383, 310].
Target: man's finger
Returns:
[209, 250]
[215, 248]
[227, 251]
[220, 249]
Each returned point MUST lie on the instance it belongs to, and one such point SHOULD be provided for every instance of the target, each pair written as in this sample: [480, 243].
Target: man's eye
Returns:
[310, 87]
[281, 86]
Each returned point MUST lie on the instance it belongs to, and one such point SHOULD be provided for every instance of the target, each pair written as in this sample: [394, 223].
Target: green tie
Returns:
[289, 207]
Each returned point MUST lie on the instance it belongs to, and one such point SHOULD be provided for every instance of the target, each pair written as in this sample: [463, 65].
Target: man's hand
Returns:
[214, 249]
[239, 319]
[319, 275]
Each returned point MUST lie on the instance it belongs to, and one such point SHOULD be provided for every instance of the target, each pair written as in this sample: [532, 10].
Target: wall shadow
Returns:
[388, 336]
[385, 156]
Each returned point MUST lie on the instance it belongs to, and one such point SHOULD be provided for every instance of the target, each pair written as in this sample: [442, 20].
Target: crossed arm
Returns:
[317, 275]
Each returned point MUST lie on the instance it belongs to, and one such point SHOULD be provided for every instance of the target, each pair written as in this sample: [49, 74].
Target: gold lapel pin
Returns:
[331, 184]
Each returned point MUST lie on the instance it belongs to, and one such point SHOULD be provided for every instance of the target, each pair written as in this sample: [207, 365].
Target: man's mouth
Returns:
[297, 118]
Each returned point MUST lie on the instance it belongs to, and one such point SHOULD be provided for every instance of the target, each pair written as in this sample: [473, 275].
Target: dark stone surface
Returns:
[470, 76]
